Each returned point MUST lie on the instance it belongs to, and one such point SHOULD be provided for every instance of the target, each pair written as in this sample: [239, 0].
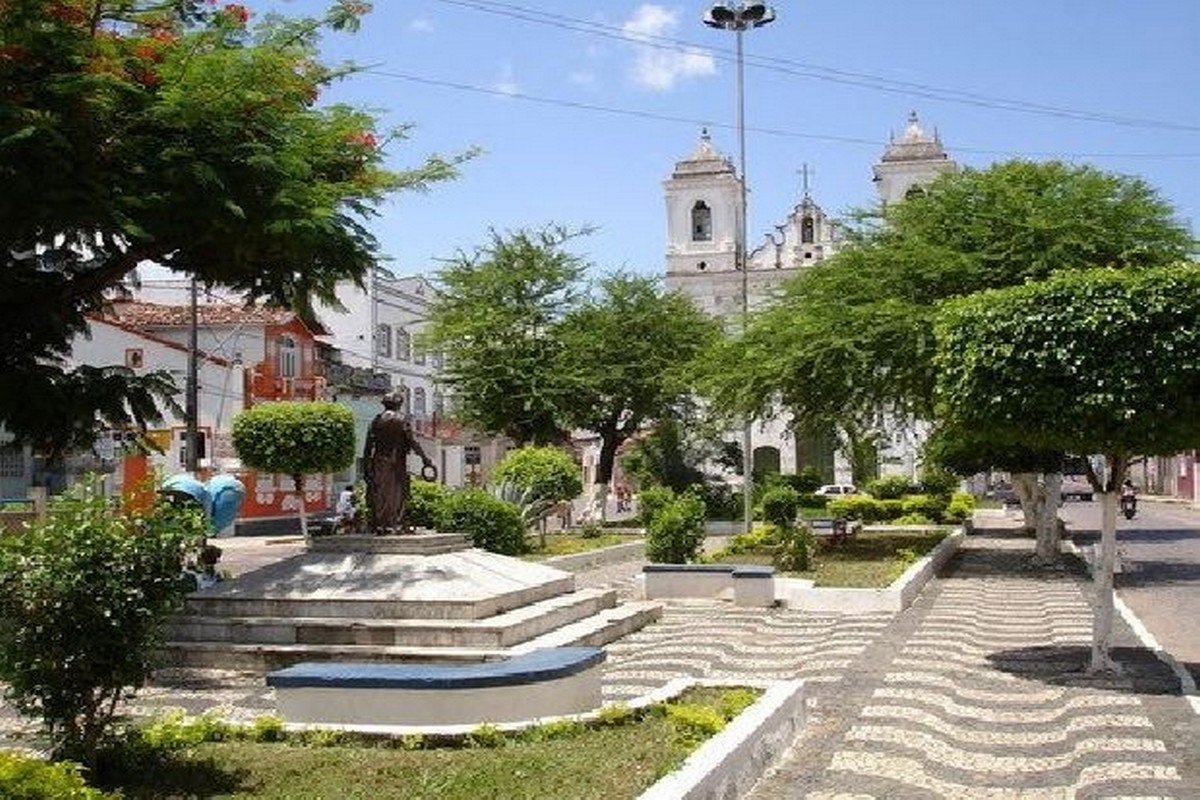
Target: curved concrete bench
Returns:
[749, 584]
[543, 683]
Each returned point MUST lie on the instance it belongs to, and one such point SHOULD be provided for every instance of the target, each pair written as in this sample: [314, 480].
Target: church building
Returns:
[704, 225]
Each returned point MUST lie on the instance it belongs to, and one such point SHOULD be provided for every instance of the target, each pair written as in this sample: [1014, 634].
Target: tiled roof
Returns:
[156, 315]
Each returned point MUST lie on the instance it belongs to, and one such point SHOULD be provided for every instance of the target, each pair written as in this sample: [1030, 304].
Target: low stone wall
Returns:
[800, 593]
[574, 562]
[747, 585]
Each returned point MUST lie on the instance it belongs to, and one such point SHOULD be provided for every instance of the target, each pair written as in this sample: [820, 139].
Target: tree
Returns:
[297, 439]
[137, 131]
[494, 320]
[626, 357]
[853, 335]
[83, 595]
[540, 478]
[1101, 361]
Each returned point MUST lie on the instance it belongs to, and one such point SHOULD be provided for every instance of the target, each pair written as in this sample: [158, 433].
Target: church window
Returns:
[702, 266]
[285, 356]
[807, 228]
[701, 222]
[913, 191]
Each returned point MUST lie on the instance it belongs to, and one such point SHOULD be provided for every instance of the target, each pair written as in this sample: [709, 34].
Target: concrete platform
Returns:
[423, 543]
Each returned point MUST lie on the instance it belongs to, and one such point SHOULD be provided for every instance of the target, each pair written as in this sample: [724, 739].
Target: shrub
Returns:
[855, 506]
[781, 505]
[547, 473]
[807, 480]
[424, 503]
[676, 531]
[489, 522]
[267, 728]
[615, 714]
[24, 777]
[720, 502]
[926, 505]
[486, 735]
[735, 701]
[938, 481]
[912, 519]
[960, 508]
[651, 500]
[809, 500]
[793, 549]
[693, 723]
[590, 530]
[760, 538]
[83, 595]
[886, 510]
[890, 487]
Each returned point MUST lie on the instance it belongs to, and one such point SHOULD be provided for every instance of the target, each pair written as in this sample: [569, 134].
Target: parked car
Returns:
[1076, 487]
[836, 490]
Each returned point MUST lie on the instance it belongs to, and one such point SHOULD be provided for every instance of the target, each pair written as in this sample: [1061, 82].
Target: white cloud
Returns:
[420, 25]
[506, 83]
[660, 68]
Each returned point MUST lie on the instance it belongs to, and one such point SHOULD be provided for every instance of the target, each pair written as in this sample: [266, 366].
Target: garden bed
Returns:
[619, 756]
[566, 544]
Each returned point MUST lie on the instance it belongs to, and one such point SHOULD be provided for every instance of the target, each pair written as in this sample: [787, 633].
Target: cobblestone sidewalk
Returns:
[978, 691]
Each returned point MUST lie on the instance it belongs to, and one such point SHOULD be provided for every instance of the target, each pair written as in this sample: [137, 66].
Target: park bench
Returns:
[543, 683]
[749, 585]
[834, 530]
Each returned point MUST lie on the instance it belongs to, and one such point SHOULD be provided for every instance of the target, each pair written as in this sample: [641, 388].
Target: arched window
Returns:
[701, 222]
[383, 341]
[913, 191]
[439, 402]
[419, 408]
[807, 229]
[403, 344]
[285, 357]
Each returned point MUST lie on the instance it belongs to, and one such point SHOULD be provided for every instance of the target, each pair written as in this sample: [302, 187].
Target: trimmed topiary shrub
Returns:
[961, 506]
[651, 500]
[808, 500]
[424, 503]
[890, 487]
[676, 531]
[24, 777]
[926, 505]
[938, 481]
[912, 519]
[488, 521]
[780, 506]
[547, 473]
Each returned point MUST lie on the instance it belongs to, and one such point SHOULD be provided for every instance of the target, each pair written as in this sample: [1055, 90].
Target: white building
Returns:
[704, 225]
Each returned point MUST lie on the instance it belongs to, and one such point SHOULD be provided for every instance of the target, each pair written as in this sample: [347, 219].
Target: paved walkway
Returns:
[978, 691]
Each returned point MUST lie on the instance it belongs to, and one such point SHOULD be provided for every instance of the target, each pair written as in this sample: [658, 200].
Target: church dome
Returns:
[915, 144]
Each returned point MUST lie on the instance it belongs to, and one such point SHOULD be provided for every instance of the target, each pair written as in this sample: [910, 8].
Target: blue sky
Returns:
[1137, 60]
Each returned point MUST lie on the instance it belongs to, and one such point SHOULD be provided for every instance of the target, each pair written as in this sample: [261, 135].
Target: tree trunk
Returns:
[299, 481]
[1103, 567]
[598, 508]
[1025, 488]
[1049, 501]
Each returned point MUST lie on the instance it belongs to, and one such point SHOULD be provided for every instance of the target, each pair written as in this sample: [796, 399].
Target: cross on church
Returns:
[804, 172]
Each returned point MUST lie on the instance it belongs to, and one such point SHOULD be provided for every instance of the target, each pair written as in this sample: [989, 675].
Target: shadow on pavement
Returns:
[1066, 665]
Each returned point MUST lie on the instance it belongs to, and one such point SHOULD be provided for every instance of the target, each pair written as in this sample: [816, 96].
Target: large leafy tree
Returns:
[174, 132]
[495, 319]
[1100, 361]
[626, 355]
[854, 334]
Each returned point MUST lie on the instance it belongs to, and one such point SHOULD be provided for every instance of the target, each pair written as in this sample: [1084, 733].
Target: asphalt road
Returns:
[1160, 552]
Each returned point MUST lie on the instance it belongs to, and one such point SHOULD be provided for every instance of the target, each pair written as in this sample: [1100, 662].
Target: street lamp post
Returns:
[740, 17]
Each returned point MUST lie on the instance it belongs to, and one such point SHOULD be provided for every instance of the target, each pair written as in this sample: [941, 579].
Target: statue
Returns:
[385, 462]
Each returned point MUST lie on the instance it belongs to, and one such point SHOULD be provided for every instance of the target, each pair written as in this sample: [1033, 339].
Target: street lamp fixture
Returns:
[740, 17]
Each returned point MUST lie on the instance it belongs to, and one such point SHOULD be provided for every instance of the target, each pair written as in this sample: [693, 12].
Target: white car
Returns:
[835, 490]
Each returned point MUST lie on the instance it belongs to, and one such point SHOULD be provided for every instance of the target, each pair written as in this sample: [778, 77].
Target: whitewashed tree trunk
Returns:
[598, 505]
[1049, 501]
[1102, 622]
[1024, 487]
[299, 481]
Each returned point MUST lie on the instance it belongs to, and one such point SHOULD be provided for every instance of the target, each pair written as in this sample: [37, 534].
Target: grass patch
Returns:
[871, 560]
[618, 756]
[565, 544]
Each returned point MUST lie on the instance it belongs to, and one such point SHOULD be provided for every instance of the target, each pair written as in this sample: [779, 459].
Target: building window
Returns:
[435, 359]
[702, 266]
[134, 358]
[403, 344]
[701, 222]
[439, 403]
[418, 356]
[285, 356]
[12, 461]
[383, 341]
[419, 408]
[807, 229]
[913, 191]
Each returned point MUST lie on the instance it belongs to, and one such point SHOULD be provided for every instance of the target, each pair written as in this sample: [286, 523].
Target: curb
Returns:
[625, 551]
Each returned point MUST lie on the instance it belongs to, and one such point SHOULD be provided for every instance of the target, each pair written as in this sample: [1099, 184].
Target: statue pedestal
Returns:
[422, 543]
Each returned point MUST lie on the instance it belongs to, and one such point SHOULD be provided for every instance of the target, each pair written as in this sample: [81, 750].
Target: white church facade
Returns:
[704, 225]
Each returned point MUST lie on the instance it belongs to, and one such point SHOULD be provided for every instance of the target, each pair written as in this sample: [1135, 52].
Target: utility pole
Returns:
[192, 437]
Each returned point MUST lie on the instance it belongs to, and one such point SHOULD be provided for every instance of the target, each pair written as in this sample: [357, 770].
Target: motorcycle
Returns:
[1128, 505]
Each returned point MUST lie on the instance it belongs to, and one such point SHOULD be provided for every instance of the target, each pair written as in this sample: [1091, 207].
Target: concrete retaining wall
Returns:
[626, 551]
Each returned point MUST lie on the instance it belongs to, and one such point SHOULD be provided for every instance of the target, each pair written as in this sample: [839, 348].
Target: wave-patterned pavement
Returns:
[981, 696]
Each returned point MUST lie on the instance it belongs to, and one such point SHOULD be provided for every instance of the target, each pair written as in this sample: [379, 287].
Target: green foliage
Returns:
[267, 728]
[83, 595]
[937, 480]
[651, 501]
[912, 519]
[961, 506]
[780, 506]
[1101, 361]
[793, 548]
[295, 438]
[413, 741]
[591, 530]
[487, 735]
[969, 453]
[167, 132]
[676, 531]
[614, 714]
[548, 473]
[761, 538]
[693, 723]
[927, 505]
[890, 487]
[494, 318]
[813, 501]
[175, 730]
[862, 507]
[424, 503]
[489, 522]
[24, 777]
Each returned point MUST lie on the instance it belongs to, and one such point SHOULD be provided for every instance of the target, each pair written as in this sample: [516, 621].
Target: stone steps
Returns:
[469, 608]
[503, 630]
[597, 630]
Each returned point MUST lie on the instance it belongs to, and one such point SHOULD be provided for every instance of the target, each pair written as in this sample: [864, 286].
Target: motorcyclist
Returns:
[1128, 498]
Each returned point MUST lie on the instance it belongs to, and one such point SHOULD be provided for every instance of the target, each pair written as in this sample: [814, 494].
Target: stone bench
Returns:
[834, 530]
[749, 585]
[544, 683]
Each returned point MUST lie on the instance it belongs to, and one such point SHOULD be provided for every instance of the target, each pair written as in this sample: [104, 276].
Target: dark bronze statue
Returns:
[385, 461]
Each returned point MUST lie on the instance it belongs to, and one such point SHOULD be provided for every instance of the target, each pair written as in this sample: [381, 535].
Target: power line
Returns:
[813, 71]
[696, 122]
